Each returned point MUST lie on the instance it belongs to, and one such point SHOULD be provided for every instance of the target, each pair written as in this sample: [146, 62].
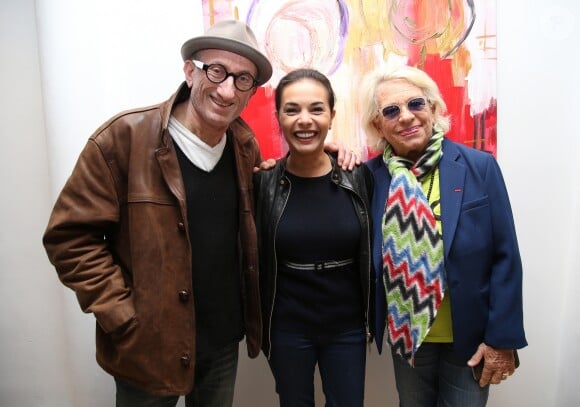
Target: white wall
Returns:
[100, 56]
[33, 360]
[538, 145]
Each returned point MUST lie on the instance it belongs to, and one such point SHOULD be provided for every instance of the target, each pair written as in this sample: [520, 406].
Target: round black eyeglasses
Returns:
[217, 73]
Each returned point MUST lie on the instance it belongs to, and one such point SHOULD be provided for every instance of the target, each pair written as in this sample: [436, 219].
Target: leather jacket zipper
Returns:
[276, 269]
[368, 274]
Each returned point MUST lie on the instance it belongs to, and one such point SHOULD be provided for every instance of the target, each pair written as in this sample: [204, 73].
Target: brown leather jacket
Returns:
[118, 237]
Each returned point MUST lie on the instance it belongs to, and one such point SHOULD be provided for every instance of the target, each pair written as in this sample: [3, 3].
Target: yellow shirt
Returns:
[442, 330]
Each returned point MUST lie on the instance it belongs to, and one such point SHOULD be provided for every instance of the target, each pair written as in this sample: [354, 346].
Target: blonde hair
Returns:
[370, 109]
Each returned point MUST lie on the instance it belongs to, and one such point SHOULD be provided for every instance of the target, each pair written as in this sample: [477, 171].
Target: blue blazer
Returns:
[482, 259]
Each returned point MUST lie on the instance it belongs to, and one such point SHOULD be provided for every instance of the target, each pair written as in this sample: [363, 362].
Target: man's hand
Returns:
[266, 165]
[498, 364]
[347, 158]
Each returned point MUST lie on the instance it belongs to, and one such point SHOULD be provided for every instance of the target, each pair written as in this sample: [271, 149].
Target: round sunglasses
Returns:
[393, 111]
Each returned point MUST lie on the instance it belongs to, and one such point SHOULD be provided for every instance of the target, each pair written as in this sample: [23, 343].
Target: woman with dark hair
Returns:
[314, 246]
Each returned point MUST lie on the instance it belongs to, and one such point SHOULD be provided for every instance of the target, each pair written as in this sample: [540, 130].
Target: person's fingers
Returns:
[266, 165]
[476, 357]
[351, 159]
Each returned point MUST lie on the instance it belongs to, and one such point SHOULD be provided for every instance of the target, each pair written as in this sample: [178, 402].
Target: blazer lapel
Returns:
[451, 184]
[382, 180]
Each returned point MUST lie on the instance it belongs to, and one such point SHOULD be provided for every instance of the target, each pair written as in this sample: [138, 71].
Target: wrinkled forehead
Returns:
[396, 91]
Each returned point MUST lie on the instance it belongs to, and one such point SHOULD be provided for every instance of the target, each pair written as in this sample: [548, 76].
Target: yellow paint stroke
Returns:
[379, 31]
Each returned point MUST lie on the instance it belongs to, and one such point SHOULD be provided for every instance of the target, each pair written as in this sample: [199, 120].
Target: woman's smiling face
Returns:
[305, 116]
[409, 132]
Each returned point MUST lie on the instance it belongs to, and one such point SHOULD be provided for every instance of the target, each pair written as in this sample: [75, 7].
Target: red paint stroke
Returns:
[478, 131]
[259, 114]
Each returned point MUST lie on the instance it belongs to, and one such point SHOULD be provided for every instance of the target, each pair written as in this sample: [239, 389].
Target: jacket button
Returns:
[181, 226]
[183, 296]
[184, 360]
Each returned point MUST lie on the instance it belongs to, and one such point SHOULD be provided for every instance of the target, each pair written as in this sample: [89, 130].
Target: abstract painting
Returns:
[454, 41]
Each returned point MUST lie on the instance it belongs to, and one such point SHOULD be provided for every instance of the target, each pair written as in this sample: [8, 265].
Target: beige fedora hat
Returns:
[233, 36]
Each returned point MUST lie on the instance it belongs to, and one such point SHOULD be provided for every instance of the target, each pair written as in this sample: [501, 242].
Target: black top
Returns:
[212, 215]
[319, 223]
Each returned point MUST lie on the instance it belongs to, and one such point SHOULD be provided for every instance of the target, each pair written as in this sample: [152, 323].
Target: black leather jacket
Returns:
[272, 189]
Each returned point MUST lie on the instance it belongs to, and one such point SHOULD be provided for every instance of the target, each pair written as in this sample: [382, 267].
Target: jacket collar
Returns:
[451, 184]
[238, 128]
[336, 174]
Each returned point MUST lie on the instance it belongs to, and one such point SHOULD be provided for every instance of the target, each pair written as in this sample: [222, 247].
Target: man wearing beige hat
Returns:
[154, 230]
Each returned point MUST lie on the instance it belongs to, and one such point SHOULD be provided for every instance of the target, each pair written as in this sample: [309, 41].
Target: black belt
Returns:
[318, 266]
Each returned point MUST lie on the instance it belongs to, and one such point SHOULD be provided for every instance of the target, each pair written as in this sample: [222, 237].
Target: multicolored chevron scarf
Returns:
[414, 274]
